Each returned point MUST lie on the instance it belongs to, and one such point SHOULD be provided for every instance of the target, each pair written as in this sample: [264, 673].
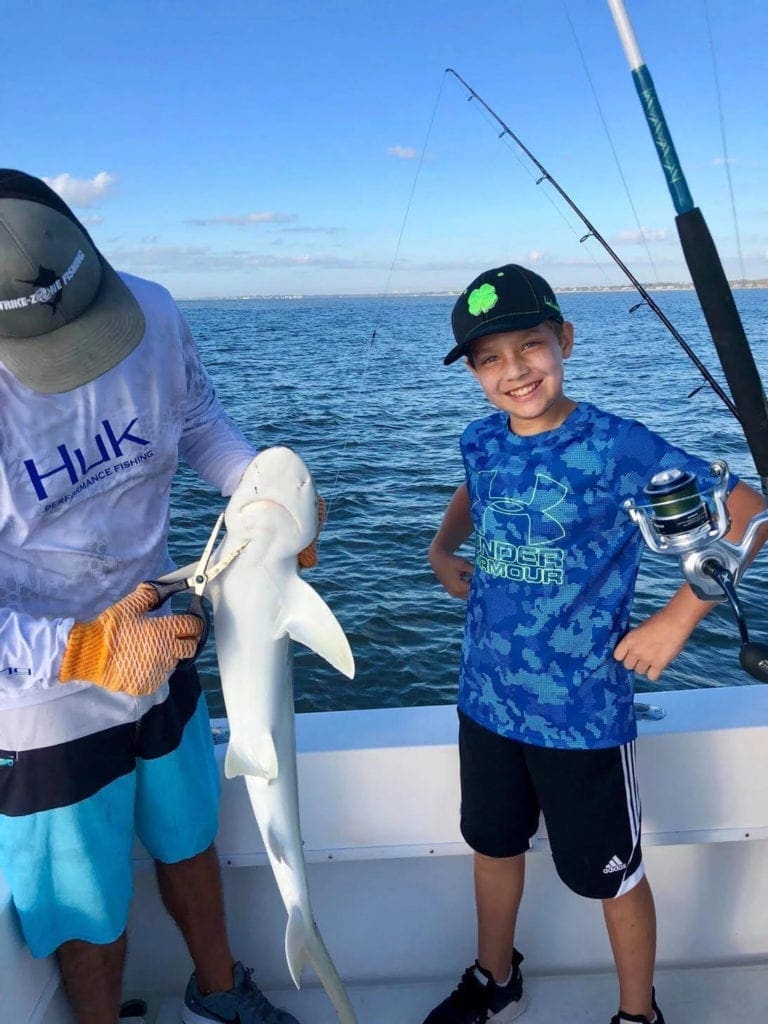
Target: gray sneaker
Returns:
[243, 1004]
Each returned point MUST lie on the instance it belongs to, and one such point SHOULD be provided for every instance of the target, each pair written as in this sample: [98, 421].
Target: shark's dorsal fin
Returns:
[257, 758]
[307, 619]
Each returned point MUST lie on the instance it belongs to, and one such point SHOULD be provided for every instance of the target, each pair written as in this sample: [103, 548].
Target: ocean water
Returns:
[357, 387]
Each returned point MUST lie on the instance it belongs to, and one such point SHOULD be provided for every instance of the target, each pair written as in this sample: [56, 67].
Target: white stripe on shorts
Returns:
[632, 791]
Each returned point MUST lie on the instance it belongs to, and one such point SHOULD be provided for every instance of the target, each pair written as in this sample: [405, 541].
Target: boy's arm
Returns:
[450, 569]
[657, 641]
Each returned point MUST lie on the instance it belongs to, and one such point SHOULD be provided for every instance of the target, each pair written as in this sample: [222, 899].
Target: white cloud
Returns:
[242, 219]
[82, 191]
[312, 231]
[721, 161]
[536, 256]
[156, 259]
[403, 152]
[641, 236]
[91, 219]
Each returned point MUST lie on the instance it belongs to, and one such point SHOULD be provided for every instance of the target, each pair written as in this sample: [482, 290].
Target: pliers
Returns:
[167, 586]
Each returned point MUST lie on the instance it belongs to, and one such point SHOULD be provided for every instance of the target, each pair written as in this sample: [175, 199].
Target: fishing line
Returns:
[609, 137]
[558, 210]
[592, 230]
[726, 158]
[378, 314]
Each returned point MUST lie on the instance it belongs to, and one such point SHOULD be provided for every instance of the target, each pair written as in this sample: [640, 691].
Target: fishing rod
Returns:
[704, 264]
[592, 231]
[679, 519]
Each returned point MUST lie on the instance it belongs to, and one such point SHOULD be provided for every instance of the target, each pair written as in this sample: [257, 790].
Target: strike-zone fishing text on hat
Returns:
[508, 298]
[66, 317]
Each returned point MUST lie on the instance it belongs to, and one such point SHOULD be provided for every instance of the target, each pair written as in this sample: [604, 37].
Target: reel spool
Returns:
[680, 518]
[678, 509]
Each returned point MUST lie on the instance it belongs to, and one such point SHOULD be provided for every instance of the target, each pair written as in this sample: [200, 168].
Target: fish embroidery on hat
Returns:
[45, 278]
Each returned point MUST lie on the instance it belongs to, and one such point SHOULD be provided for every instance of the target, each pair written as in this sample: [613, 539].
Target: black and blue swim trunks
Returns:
[81, 777]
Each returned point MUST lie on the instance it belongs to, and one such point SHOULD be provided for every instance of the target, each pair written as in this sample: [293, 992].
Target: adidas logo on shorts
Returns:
[614, 864]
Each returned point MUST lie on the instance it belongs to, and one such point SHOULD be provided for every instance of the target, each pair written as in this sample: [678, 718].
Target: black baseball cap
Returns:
[66, 317]
[508, 298]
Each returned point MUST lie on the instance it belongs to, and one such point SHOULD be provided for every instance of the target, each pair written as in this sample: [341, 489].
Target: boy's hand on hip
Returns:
[453, 571]
[652, 645]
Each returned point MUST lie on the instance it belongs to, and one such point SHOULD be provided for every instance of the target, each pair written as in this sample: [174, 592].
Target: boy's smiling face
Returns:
[521, 373]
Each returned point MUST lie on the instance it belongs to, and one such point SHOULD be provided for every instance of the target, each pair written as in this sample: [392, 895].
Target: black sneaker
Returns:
[133, 1011]
[639, 1018]
[477, 1002]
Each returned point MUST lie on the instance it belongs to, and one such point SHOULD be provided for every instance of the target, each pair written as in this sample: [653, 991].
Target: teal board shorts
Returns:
[69, 813]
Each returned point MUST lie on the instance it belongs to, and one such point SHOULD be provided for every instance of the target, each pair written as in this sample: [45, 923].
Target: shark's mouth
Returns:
[245, 509]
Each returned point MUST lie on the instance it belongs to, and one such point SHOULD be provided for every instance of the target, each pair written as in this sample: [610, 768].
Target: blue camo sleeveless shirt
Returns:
[556, 560]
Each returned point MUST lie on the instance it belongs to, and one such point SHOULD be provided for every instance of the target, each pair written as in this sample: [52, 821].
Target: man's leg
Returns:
[192, 893]
[92, 976]
[631, 923]
[498, 891]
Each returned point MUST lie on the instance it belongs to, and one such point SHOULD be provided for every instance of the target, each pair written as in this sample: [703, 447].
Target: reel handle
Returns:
[753, 658]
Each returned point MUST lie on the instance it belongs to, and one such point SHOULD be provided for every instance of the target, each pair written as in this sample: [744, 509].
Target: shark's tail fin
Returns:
[303, 944]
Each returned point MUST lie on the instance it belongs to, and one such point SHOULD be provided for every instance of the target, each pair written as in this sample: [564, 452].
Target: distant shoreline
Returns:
[661, 286]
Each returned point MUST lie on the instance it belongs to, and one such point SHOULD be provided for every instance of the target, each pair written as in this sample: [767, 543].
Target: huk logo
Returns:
[109, 445]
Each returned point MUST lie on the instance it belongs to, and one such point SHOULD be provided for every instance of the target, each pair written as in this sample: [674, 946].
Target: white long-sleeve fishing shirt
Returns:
[85, 479]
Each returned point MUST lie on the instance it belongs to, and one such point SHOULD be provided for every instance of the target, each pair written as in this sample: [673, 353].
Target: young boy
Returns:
[546, 716]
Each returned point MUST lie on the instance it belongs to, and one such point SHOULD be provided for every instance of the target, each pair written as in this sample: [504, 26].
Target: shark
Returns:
[260, 605]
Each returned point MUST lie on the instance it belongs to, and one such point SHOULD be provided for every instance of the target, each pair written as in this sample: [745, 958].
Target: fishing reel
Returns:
[689, 522]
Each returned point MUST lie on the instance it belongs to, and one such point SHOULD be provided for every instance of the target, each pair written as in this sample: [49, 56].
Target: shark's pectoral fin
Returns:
[308, 620]
[257, 758]
[296, 944]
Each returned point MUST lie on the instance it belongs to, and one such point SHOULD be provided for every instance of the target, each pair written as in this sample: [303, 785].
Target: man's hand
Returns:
[652, 645]
[308, 556]
[126, 651]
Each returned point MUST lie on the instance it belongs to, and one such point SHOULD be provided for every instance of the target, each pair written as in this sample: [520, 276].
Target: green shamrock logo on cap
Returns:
[482, 299]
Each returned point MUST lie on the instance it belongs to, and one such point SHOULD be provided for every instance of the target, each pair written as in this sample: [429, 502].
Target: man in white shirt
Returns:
[101, 392]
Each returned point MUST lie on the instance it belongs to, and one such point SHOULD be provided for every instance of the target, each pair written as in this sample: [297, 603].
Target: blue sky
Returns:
[247, 148]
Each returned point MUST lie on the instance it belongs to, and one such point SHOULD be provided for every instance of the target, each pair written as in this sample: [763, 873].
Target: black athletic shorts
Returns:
[589, 799]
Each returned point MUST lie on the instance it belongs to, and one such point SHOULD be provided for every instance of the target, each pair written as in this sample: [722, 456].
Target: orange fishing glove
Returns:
[308, 557]
[126, 651]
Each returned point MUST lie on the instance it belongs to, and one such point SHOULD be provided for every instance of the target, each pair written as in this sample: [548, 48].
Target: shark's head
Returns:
[274, 503]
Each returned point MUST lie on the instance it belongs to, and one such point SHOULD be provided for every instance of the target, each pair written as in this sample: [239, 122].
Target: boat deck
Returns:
[704, 995]
[392, 892]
